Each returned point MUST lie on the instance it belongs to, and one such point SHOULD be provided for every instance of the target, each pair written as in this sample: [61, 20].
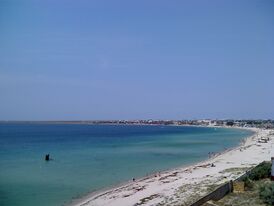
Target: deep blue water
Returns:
[91, 157]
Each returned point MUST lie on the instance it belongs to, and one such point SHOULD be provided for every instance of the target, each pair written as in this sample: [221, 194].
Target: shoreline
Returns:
[105, 194]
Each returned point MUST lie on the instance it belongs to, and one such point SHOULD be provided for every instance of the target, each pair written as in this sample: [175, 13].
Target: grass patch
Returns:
[267, 193]
[235, 170]
[146, 199]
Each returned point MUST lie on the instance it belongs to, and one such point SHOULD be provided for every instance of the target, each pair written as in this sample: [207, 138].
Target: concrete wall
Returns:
[217, 194]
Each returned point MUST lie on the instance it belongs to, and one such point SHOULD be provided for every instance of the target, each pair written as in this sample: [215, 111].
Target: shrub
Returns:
[267, 193]
[248, 183]
[263, 170]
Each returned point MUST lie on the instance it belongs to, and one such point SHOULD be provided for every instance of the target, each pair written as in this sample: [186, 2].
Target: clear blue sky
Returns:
[84, 59]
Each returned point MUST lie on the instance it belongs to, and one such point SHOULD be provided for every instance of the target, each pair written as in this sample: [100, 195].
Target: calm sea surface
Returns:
[91, 157]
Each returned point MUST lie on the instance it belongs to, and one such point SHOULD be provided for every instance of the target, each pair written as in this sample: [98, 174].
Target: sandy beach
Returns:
[183, 186]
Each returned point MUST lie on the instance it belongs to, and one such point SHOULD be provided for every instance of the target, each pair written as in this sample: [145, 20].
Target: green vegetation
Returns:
[146, 199]
[248, 183]
[262, 171]
[259, 190]
[250, 197]
[267, 193]
[235, 170]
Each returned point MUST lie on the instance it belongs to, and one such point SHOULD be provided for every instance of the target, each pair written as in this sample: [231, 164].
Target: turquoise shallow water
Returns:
[91, 157]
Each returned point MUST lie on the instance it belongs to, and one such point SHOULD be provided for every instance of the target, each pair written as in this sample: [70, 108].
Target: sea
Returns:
[86, 158]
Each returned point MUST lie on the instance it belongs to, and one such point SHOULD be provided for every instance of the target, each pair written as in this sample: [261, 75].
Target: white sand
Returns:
[185, 185]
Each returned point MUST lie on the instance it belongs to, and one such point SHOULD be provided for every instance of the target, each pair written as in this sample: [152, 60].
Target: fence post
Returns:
[231, 186]
[272, 169]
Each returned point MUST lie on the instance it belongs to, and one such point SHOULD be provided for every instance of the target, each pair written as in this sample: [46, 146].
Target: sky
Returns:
[145, 59]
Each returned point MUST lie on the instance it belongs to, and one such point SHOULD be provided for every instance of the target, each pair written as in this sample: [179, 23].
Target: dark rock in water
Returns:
[47, 157]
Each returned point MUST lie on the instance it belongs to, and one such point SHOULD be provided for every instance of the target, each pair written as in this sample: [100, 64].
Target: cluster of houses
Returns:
[269, 124]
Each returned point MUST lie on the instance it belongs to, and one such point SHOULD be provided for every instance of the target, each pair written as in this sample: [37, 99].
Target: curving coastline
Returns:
[185, 184]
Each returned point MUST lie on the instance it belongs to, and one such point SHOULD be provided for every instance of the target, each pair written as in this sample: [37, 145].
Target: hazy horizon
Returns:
[97, 60]
[94, 120]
